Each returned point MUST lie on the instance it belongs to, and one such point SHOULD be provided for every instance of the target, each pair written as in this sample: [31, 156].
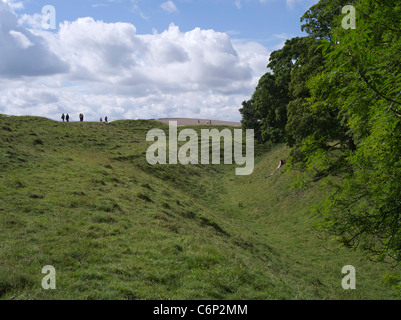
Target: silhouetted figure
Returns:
[67, 117]
[105, 119]
[63, 117]
[101, 119]
[81, 117]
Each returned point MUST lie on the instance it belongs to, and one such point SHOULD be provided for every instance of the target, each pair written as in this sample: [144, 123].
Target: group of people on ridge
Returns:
[65, 117]
[81, 118]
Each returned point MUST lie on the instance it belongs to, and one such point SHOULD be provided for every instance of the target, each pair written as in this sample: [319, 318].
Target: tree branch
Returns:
[378, 93]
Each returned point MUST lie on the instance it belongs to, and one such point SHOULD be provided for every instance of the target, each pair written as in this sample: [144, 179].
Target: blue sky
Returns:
[140, 59]
[263, 21]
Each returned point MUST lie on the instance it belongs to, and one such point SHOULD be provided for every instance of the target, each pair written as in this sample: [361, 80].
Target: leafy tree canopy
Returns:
[335, 97]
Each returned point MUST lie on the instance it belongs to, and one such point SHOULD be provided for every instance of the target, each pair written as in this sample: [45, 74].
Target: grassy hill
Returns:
[82, 198]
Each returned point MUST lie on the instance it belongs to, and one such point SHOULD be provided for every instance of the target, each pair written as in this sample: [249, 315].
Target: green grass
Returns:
[82, 198]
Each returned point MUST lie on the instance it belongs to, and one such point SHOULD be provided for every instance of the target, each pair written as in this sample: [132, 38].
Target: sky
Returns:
[137, 59]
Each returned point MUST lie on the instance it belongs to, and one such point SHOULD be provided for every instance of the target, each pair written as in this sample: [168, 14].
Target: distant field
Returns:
[194, 122]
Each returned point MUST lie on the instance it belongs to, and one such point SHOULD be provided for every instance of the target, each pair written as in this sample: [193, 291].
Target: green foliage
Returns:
[290, 67]
[270, 100]
[250, 117]
[359, 89]
[303, 118]
[322, 17]
[341, 90]
[363, 210]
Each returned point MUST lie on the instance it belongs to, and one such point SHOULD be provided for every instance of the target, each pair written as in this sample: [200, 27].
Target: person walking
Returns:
[105, 119]
[67, 117]
[63, 117]
[81, 117]
[101, 119]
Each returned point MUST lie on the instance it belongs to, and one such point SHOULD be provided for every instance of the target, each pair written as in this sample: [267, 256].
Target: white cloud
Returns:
[34, 21]
[14, 4]
[169, 6]
[23, 53]
[137, 10]
[116, 72]
[255, 54]
[22, 40]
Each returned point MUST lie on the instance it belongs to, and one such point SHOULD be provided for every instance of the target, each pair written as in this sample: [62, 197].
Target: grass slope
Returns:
[82, 198]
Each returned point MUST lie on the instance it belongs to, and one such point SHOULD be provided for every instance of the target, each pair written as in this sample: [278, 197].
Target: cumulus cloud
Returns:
[22, 40]
[22, 53]
[114, 71]
[96, 50]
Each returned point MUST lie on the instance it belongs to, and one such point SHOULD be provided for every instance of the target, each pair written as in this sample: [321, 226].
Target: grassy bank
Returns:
[82, 198]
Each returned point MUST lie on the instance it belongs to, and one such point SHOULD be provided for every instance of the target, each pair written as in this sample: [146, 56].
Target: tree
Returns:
[321, 18]
[274, 92]
[302, 120]
[270, 100]
[250, 117]
[363, 71]
[335, 97]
